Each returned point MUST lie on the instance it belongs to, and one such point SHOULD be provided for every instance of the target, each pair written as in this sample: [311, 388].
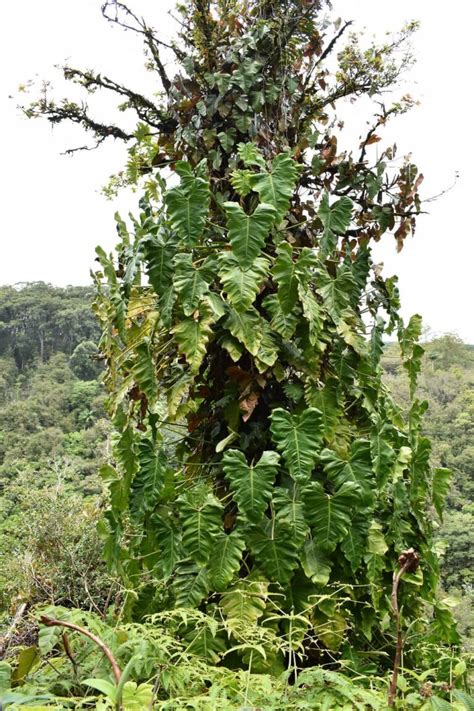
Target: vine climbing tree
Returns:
[262, 472]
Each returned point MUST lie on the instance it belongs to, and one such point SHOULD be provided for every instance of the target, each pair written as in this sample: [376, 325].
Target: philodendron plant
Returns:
[262, 472]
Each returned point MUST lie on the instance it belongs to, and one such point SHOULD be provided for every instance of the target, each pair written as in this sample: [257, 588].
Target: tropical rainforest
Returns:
[233, 476]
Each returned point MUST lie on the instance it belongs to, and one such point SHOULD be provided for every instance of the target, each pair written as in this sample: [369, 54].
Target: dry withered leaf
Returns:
[248, 405]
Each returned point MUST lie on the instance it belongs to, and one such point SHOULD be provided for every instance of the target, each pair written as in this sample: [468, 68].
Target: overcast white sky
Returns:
[53, 214]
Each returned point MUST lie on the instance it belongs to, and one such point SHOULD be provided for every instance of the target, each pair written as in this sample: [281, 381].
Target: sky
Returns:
[53, 213]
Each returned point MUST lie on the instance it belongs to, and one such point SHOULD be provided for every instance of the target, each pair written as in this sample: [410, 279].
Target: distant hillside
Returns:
[447, 384]
[38, 320]
[53, 440]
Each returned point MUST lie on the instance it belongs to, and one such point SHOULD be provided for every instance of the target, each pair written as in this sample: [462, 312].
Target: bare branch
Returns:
[333, 43]
[68, 111]
[409, 561]
[51, 622]
[71, 151]
[145, 109]
[5, 641]
[151, 40]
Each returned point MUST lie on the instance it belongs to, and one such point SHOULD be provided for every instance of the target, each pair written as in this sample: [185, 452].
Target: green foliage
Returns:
[277, 186]
[289, 273]
[53, 435]
[446, 382]
[201, 516]
[38, 320]
[356, 468]
[336, 219]
[166, 663]
[251, 486]
[275, 550]
[247, 233]
[149, 480]
[51, 549]
[83, 361]
[226, 559]
[330, 514]
[298, 438]
[192, 336]
[242, 285]
[190, 283]
[261, 326]
[260, 334]
[188, 204]
[51, 422]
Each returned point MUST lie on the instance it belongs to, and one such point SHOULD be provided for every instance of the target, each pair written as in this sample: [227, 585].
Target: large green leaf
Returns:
[188, 205]
[26, 660]
[201, 523]
[246, 327]
[169, 540]
[443, 623]
[247, 233]
[412, 352]
[289, 510]
[285, 275]
[226, 559]
[465, 699]
[273, 546]
[299, 439]
[5, 676]
[144, 370]
[277, 188]
[326, 400]
[232, 346]
[192, 336]
[375, 538]
[356, 467]
[149, 480]
[191, 584]
[282, 323]
[336, 291]
[289, 272]
[351, 328]
[250, 155]
[159, 256]
[132, 258]
[241, 181]
[440, 487]
[125, 452]
[329, 515]
[165, 307]
[267, 354]
[316, 563]
[376, 565]
[313, 314]
[336, 219]
[354, 544]
[245, 601]
[191, 283]
[251, 486]
[377, 342]
[409, 335]
[420, 468]
[383, 456]
[242, 285]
